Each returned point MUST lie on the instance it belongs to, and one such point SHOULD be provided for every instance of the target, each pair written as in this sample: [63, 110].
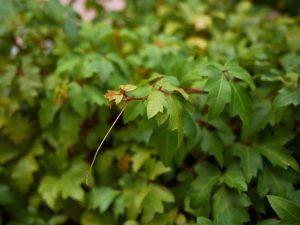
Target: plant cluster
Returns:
[207, 93]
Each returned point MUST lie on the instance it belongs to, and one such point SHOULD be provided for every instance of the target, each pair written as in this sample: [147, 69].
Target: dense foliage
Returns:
[210, 132]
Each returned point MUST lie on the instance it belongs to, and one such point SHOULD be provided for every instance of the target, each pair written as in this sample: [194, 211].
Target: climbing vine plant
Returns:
[177, 113]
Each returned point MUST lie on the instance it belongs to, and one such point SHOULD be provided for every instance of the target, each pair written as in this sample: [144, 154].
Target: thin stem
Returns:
[128, 99]
[187, 90]
[195, 91]
[99, 147]
[163, 91]
[153, 82]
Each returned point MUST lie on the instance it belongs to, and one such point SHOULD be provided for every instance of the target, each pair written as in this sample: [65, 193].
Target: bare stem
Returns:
[163, 91]
[195, 91]
[100, 145]
[128, 99]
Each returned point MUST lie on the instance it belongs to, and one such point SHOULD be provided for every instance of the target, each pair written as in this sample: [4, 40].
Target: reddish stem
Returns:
[188, 90]
[163, 91]
[153, 82]
[195, 91]
[128, 99]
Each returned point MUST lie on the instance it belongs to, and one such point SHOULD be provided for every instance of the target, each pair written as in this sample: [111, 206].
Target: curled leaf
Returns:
[116, 96]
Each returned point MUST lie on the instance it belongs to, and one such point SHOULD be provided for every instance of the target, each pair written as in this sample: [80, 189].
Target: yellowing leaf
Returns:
[197, 42]
[114, 96]
[127, 87]
[201, 22]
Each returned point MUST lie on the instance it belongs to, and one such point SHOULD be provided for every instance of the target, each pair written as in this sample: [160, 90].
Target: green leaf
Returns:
[155, 168]
[95, 64]
[285, 209]
[22, 173]
[250, 160]
[234, 178]
[94, 218]
[70, 181]
[119, 206]
[105, 68]
[269, 222]
[212, 145]
[119, 61]
[175, 111]
[152, 205]
[30, 82]
[94, 95]
[204, 221]
[239, 72]
[131, 222]
[162, 219]
[102, 198]
[47, 111]
[68, 185]
[67, 64]
[219, 93]
[18, 129]
[90, 66]
[278, 157]
[182, 92]
[294, 196]
[240, 103]
[7, 76]
[156, 102]
[196, 71]
[138, 159]
[77, 98]
[69, 125]
[133, 110]
[287, 96]
[49, 189]
[191, 128]
[292, 39]
[259, 118]
[7, 197]
[229, 208]
[274, 180]
[201, 188]
[165, 142]
[291, 62]
[165, 194]
[153, 202]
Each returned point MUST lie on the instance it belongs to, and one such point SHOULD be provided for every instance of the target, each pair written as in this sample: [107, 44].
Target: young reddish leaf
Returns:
[116, 96]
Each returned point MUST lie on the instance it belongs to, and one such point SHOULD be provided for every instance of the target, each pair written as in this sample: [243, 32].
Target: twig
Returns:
[163, 91]
[99, 147]
[195, 91]
[128, 99]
